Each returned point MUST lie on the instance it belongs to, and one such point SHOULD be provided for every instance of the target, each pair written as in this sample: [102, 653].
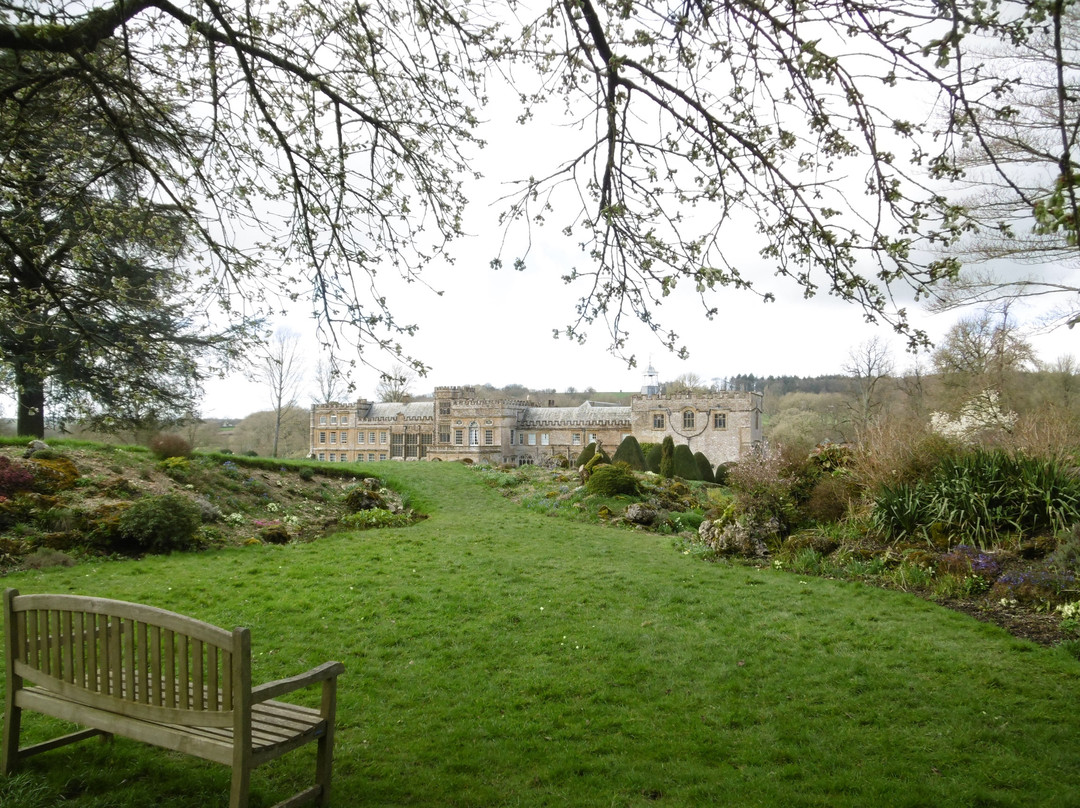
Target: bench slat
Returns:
[169, 640]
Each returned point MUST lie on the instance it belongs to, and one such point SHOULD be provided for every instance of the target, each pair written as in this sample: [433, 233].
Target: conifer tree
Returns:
[629, 452]
[685, 464]
[667, 457]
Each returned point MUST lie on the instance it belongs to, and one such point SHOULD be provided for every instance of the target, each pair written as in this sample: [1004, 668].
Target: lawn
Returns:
[497, 657]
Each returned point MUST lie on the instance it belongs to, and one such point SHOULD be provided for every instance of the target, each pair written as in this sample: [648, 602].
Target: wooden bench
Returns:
[157, 677]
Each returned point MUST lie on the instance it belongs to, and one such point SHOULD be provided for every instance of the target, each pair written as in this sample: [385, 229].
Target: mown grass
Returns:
[497, 657]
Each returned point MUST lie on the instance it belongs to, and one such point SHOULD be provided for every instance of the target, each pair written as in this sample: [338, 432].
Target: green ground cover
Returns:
[499, 657]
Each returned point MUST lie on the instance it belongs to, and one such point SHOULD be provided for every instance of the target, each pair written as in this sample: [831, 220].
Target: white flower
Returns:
[1070, 611]
[980, 414]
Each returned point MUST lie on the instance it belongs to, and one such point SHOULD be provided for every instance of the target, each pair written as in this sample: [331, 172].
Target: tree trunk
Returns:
[30, 387]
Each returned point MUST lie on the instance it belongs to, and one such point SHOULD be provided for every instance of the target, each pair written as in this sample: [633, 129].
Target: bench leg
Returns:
[241, 784]
[323, 765]
[9, 756]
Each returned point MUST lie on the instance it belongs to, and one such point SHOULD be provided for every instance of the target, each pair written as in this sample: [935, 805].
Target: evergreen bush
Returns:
[704, 467]
[722, 473]
[159, 524]
[629, 452]
[667, 458]
[685, 464]
[613, 480]
[598, 459]
[586, 455]
[653, 457]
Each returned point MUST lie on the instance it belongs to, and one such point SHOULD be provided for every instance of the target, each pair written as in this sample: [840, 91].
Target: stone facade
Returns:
[459, 426]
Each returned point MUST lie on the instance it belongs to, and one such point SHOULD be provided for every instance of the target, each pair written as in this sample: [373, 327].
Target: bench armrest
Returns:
[323, 673]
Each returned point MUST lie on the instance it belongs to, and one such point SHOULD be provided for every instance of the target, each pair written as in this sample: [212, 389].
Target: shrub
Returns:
[898, 452]
[981, 496]
[1067, 555]
[53, 474]
[762, 491]
[685, 464]
[45, 454]
[375, 518]
[965, 559]
[704, 467]
[598, 459]
[613, 480]
[361, 498]
[1042, 588]
[47, 557]
[160, 524]
[831, 457]
[176, 467]
[166, 446]
[104, 532]
[722, 473]
[667, 458]
[14, 478]
[586, 455]
[653, 457]
[629, 452]
[829, 498]
[274, 533]
[306, 473]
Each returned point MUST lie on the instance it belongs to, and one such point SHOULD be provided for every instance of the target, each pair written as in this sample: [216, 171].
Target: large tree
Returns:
[335, 138]
[984, 351]
[868, 364]
[280, 368]
[1023, 172]
[96, 319]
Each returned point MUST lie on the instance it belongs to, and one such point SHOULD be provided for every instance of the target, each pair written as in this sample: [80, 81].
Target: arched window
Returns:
[688, 419]
[474, 434]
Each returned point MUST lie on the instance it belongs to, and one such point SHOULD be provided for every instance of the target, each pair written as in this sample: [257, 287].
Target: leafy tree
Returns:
[667, 457]
[629, 452]
[97, 312]
[355, 124]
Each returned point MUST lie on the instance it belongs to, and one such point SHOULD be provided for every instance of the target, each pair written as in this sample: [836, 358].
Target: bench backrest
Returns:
[128, 658]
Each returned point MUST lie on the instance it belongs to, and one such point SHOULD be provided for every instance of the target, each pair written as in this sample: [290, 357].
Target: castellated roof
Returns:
[389, 410]
[587, 412]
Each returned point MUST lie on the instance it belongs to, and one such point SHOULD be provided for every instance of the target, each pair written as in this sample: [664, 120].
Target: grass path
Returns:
[500, 658]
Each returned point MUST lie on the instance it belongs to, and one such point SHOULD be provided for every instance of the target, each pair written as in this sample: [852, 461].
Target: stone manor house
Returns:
[457, 426]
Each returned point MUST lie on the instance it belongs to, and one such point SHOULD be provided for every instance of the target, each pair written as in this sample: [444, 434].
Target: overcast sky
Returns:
[496, 328]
